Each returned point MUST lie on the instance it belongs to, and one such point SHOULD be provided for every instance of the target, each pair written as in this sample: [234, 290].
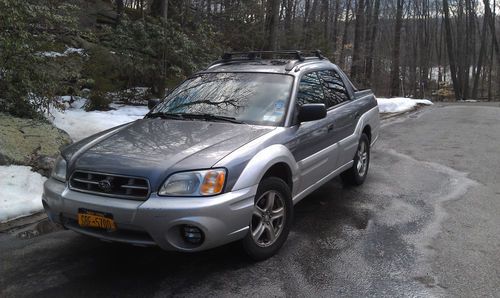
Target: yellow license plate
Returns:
[90, 219]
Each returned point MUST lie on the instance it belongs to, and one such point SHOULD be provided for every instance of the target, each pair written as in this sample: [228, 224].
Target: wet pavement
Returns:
[425, 223]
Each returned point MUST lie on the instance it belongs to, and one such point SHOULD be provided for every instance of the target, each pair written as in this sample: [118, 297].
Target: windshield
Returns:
[253, 98]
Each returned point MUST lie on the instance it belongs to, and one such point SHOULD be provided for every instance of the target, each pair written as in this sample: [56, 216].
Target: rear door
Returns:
[341, 115]
[312, 144]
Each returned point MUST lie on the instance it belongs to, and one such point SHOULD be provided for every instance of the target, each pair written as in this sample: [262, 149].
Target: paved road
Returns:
[426, 223]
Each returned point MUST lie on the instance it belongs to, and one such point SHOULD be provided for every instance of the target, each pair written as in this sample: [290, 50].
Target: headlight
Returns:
[195, 183]
[59, 170]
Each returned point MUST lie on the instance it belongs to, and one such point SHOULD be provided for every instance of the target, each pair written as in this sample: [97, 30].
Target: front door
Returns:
[340, 114]
[313, 147]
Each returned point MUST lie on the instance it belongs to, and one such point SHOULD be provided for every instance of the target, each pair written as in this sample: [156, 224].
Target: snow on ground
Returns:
[80, 124]
[21, 192]
[399, 104]
[66, 52]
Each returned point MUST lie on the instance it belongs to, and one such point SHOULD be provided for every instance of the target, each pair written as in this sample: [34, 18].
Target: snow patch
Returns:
[21, 192]
[399, 104]
[67, 52]
[80, 124]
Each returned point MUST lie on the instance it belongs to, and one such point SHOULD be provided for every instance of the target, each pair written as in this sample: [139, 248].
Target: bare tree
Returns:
[451, 54]
[396, 49]
[371, 42]
[356, 65]
[272, 22]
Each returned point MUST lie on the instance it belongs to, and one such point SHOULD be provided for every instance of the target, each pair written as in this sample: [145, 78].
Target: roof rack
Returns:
[254, 54]
[257, 55]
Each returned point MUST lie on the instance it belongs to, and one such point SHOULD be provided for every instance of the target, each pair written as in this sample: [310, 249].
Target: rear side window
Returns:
[335, 90]
[310, 90]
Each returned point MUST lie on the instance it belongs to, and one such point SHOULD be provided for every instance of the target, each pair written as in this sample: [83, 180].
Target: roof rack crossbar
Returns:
[298, 56]
[224, 61]
[254, 54]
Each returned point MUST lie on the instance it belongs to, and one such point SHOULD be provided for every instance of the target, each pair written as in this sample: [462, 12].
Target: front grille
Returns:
[134, 188]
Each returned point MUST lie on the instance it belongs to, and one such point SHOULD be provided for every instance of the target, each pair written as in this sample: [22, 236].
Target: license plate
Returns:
[92, 219]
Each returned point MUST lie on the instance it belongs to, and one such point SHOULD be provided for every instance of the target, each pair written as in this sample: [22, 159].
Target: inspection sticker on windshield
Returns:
[279, 106]
[277, 113]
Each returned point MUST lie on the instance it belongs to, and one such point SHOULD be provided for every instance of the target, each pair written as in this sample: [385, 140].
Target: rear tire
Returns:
[271, 219]
[356, 175]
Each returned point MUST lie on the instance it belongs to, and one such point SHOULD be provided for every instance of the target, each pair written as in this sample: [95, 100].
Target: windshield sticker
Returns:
[279, 106]
[277, 113]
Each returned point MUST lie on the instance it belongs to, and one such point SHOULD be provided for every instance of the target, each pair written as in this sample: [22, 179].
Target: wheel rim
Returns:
[268, 218]
[362, 164]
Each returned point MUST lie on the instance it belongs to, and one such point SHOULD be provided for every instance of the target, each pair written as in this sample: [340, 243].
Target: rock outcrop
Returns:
[30, 142]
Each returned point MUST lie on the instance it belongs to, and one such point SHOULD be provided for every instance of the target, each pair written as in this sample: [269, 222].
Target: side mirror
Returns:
[152, 103]
[311, 112]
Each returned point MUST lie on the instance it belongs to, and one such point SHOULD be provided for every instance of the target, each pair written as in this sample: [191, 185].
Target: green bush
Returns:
[28, 80]
[102, 68]
[153, 53]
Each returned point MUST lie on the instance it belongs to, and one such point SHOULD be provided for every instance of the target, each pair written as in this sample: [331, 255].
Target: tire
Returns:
[356, 175]
[261, 242]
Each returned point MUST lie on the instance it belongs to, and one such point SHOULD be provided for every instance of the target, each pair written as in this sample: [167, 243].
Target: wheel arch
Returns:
[275, 160]
[280, 170]
[367, 130]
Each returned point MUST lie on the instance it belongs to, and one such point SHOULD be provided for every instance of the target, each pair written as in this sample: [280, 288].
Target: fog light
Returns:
[192, 234]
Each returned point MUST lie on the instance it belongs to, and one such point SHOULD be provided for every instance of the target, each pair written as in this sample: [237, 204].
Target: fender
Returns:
[254, 171]
[350, 143]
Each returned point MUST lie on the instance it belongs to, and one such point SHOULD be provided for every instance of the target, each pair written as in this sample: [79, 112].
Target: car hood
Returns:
[154, 148]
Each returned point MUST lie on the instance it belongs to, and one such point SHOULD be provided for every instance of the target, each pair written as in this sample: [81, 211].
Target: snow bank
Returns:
[80, 124]
[399, 104]
[21, 192]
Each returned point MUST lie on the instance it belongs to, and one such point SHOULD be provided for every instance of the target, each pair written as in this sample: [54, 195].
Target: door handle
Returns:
[356, 115]
[330, 127]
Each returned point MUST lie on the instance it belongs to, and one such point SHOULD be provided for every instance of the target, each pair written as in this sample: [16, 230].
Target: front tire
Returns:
[356, 175]
[271, 219]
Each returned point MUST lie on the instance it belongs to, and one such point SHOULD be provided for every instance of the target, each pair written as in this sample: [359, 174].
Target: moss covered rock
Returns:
[28, 141]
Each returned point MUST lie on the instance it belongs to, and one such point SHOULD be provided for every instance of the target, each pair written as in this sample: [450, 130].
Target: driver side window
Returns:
[310, 90]
[335, 90]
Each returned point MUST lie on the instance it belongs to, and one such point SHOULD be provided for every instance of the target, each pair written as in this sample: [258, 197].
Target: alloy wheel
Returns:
[268, 218]
[362, 159]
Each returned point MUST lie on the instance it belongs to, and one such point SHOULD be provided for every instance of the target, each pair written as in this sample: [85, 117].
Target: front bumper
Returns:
[157, 221]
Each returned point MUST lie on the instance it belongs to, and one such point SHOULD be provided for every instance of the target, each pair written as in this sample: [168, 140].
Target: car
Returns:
[223, 158]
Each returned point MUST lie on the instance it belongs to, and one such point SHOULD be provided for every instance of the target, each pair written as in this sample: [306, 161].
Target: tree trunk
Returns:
[326, 22]
[371, 43]
[344, 34]
[305, 28]
[451, 54]
[272, 24]
[335, 28]
[491, 21]
[288, 16]
[358, 39]
[482, 50]
[396, 49]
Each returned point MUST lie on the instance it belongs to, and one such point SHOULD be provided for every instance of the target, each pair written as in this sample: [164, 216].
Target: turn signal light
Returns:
[213, 183]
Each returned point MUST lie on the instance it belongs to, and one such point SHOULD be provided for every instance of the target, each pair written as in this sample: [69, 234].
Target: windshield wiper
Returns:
[165, 115]
[211, 117]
